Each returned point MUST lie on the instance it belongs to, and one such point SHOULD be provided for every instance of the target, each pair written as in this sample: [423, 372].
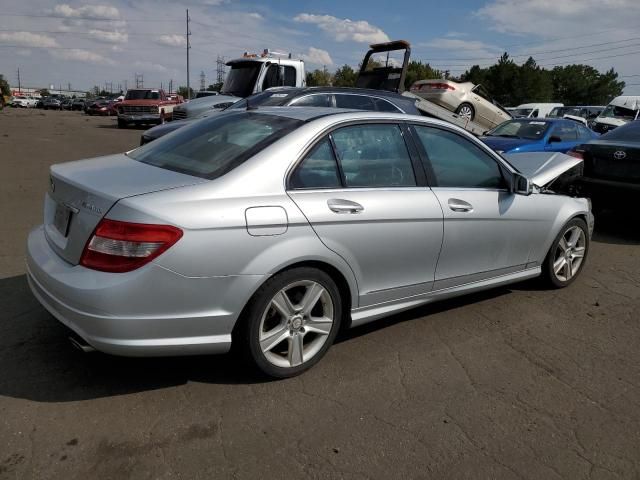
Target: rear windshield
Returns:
[619, 112]
[626, 133]
[211, 147]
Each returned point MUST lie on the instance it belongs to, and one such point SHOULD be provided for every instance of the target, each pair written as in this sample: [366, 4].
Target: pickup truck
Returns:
[146, 106]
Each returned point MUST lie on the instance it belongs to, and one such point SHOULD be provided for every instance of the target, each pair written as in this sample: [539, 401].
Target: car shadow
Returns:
[40, 364]
[616, 227]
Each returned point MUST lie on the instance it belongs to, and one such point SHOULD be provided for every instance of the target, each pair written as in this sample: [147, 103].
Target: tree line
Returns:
[509, 83]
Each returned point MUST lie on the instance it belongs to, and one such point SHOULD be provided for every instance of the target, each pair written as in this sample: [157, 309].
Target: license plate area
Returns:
[61, 219]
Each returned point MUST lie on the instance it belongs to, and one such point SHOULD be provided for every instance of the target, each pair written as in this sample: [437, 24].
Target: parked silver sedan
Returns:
[270, 229]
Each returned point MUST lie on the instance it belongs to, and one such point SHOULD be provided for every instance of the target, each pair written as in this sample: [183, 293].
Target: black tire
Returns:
[246, 336]
[549, 276]
[122, 124]
[466, 105]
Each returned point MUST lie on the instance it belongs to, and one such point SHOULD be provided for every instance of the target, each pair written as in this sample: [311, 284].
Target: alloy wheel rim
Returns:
[569, 254]
[296, 324]
[465, 112]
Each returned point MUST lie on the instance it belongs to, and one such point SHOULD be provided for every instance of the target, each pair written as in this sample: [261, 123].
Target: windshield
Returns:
[524, 129]
[142, 95]
[241, 78]
[211, 147]
[521, 112]
[558, 112]
[626, 133]
[619, 112]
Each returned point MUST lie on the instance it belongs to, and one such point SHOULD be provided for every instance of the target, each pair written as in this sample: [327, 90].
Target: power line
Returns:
[93, 19]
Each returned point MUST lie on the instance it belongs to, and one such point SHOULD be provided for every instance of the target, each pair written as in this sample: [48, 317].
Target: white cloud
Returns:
[317, 56]
[27, 39]
[108, 36]
[80, 55]
[452, 48]
[172, 40]
[343, 29]
[98, 12]
[255, 15]
[149, 66]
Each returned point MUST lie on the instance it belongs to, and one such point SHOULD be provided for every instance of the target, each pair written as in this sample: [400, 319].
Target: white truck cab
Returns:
[621, 110]
[253, 74]
[534, 110]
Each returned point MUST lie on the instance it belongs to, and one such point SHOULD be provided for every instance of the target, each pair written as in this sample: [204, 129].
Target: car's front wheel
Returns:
[466, 111]
[567, 255]
[290, 322]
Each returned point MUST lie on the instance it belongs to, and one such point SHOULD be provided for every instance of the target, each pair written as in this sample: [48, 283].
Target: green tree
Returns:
[345, 76]
[182, 91]
[583, 85]
[416, 70]
[318, 78]
[44, 92]
[215, 87]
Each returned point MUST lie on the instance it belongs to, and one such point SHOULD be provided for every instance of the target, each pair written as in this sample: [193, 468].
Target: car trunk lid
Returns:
[81, 193]
[615, 160]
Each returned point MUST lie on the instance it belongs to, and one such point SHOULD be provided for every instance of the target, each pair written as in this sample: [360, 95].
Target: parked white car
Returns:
[471, 102]
[534, 110]
[24, 101]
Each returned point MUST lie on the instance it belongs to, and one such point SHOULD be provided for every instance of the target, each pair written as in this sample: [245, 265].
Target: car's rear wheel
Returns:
[567, 254]
[290, 322]
[466, 111]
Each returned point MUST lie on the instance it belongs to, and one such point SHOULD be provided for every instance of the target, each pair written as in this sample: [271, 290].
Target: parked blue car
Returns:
[537, 135]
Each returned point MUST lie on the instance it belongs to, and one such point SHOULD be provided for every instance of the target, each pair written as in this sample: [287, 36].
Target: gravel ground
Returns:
[517, 382]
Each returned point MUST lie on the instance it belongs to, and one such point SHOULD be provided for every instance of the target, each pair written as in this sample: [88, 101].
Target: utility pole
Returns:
[125, 86]
[19, 86]
[188, 48]
[69, 86]
[139, 80]
[220, 69]
[202, 80]
[170, 86]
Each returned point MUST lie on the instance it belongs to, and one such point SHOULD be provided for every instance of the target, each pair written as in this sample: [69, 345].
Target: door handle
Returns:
[338, 205]
[458, 205]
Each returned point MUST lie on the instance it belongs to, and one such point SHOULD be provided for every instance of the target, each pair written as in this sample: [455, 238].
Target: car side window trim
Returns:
[399, 110]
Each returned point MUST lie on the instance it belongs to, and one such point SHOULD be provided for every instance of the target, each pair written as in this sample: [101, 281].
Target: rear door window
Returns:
[374, 155]
[356, 102]
[318, 170]
[318, 100]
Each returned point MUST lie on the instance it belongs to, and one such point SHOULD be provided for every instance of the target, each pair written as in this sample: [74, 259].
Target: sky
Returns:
[108, 41]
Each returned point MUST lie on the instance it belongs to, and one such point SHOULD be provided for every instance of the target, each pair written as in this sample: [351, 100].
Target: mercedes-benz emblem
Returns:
[52, 184]
[620, 155]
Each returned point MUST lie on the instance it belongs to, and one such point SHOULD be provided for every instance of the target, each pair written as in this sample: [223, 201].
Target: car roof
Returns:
[353, 90]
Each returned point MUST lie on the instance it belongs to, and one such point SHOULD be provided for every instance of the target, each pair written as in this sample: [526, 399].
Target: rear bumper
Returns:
[151, 311]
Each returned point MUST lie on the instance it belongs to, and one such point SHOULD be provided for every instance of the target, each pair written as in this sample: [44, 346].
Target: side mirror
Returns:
[521, 185]
[554, 139]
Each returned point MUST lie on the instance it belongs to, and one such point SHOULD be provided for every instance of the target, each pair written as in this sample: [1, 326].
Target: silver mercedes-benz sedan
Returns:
[270, 229]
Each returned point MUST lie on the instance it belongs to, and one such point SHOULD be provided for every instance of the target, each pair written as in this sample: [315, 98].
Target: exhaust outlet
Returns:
[81, 345]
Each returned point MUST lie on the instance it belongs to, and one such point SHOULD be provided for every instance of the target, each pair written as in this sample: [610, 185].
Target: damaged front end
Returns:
[550, 172]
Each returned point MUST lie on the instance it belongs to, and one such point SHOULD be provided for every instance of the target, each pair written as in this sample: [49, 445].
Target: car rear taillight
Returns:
[122, 246]
[576, 153]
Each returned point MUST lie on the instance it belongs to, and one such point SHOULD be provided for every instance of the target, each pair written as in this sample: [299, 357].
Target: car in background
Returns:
[535, 110]
[337, 97]
[23, 101]
[206, 93]
[537, 135]
[102, 107]
[558, 112]
[78, 104]
[66, 104]
[319, 219]
[584, 115]
[469, 101]
[52, 103]
[198, 106]
[620, 110]
[612, 167]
